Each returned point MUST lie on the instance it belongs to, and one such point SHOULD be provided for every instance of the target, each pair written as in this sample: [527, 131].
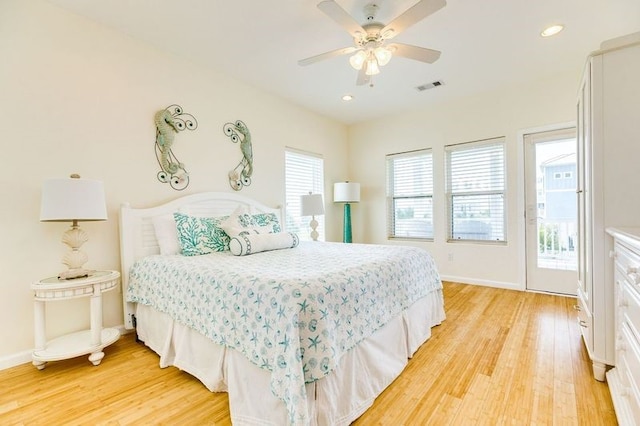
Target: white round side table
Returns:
[71, 345]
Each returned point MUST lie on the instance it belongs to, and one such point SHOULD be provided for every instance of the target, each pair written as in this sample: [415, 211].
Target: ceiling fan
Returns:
[371, 50]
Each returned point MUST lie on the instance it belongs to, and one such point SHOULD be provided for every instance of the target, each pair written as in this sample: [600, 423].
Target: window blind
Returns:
[476, 190]
[410, 195]
[304, 173]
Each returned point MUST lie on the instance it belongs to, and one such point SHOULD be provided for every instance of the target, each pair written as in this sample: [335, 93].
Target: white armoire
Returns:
[624, 378]
[608, 184]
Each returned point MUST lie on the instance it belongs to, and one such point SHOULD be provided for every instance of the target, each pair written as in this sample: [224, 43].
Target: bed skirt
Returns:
[337, 399]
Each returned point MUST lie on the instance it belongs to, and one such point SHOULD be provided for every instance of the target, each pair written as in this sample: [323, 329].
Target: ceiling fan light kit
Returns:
[357, 60]
[372, 67]
[383, 55]
[371, 50]
[373, 59]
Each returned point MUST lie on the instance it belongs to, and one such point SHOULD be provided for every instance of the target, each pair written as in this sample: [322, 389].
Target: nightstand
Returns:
[82, 342]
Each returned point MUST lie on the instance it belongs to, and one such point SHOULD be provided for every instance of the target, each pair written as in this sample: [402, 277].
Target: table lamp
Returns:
[312, 205]
[346, 192]
[73, 200]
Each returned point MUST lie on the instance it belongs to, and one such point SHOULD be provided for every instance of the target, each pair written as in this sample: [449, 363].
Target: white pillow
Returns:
[245, 244]
[166, 234]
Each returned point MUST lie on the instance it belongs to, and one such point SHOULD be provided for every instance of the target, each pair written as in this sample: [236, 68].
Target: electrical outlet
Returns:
[450, 257]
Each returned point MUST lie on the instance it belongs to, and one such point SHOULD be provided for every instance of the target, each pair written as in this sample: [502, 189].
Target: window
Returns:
[410, 195]
[476, 191]
[304, 173]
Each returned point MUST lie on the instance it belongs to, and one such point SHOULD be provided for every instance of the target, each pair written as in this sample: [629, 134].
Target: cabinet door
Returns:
[583, 189]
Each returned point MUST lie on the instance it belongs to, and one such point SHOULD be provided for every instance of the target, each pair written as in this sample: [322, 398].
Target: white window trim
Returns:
[449, 196]
[390, 225]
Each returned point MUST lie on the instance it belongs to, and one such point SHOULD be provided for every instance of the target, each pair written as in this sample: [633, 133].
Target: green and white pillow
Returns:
[204, 235]
[240, 222]
[201, 235]
[268, 221]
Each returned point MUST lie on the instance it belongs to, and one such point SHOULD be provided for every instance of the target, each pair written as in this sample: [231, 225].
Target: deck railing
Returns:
[557, 244]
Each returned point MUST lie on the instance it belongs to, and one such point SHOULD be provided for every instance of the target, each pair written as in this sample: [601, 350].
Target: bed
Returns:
[307, 335]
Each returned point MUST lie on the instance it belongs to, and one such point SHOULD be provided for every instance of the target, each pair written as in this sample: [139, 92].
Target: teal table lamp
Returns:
[346, 192]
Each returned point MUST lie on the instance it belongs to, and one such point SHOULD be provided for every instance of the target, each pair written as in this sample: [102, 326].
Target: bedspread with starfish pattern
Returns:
[293, 312]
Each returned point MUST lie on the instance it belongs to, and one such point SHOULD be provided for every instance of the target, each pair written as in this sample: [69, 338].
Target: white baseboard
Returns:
[15, 359]
[24, 357]
[485, 283]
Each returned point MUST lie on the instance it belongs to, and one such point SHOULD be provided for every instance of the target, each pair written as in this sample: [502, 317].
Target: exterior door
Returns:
[551, 211]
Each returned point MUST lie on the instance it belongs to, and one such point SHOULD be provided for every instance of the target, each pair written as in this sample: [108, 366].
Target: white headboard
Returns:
[138, 238]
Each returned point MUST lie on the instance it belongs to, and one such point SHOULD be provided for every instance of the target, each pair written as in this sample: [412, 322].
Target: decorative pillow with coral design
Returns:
[201, 235]
[240, 222]
[268, 221]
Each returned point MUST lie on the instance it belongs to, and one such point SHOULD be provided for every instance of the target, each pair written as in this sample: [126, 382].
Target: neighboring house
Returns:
[559, 206]
[560, 182]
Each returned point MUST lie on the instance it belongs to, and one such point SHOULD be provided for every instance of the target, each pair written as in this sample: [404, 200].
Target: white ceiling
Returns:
[485, 44]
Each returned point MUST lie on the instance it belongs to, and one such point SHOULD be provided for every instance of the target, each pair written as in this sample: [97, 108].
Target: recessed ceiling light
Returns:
[347, 98]
[552, 30]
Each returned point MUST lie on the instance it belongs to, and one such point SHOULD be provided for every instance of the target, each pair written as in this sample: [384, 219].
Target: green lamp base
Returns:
[346, 235]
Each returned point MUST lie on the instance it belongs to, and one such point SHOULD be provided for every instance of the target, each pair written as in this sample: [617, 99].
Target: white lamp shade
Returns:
[65, 200]
[383, 55]
[372, 66]
[357, 60]
[346, 192]
[311, 205]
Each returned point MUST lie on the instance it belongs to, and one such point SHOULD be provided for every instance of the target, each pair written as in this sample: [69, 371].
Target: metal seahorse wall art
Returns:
[240, 176]
[169, 122]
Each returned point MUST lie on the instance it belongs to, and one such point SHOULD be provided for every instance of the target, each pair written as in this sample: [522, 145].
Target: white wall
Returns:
[77, 97]
[500, 113]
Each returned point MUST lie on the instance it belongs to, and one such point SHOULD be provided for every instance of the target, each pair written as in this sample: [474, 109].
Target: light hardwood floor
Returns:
[500, 357]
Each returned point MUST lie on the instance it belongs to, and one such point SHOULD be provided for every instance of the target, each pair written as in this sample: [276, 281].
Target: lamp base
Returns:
[314, 224]
[74, 237]
[346, 234]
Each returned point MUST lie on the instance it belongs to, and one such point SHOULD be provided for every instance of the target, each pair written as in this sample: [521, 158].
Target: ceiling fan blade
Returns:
[342, 18]
[414, 14]
[414, 52]
[363, 78]
[327, 55]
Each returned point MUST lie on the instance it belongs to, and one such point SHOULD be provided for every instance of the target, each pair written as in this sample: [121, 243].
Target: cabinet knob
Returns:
[632, 270]
[577, 308]
[583, 324]
[623, 302]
